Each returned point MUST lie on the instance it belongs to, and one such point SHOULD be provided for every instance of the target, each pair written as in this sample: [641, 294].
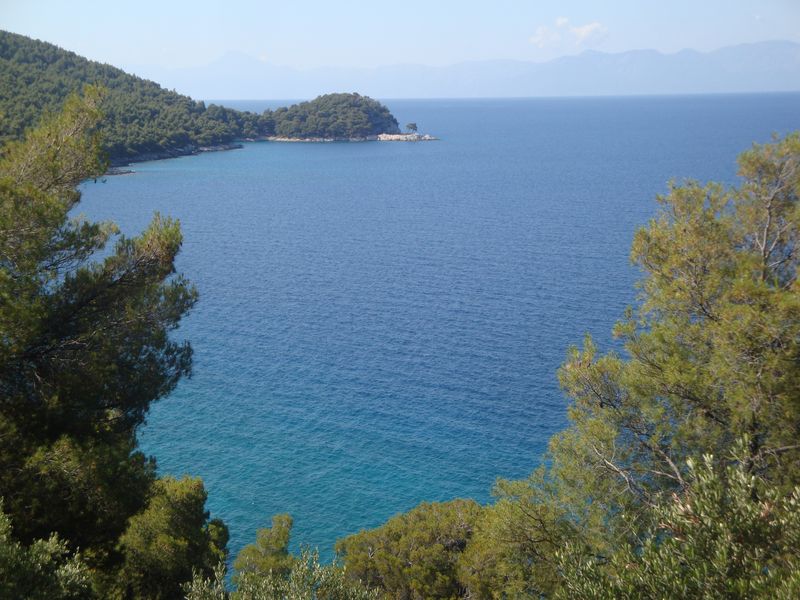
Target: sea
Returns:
[380, 324]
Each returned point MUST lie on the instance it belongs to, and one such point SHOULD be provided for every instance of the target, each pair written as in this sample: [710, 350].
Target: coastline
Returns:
[316, 140]
[117, 166]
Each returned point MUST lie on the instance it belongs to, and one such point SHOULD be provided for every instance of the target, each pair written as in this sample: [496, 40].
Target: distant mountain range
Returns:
[758, 67]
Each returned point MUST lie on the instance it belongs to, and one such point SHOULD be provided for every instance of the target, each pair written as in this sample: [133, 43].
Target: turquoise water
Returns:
[380, 323]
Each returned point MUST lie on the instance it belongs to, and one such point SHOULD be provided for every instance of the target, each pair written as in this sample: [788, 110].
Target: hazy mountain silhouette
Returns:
[758, 67]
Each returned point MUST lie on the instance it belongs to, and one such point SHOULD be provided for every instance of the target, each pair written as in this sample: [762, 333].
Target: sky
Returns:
[370, 33]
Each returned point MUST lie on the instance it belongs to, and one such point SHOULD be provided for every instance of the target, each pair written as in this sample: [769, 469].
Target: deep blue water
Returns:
[381, 323]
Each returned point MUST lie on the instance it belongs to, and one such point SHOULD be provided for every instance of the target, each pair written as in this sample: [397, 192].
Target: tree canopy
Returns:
[270, 553]
[415, 554]
[335, 116]
[733, 536]
[85, 348]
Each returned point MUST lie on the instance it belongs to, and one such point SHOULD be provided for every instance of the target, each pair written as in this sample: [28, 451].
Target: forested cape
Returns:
[144, 120]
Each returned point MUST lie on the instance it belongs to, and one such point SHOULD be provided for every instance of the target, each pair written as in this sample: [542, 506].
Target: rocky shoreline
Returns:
[317, 140]
[406, 137]
[382, 137]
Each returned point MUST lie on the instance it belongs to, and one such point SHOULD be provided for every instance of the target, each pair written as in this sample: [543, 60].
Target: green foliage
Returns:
[335, 116]
[42, 571]
[84, 350]
[307, 580]
[415, 554]
[731, 535]
[211, 587]
[496, 563]
[270, 553]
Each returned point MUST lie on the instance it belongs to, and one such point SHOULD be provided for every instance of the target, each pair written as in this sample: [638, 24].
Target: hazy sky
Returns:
[366, 33]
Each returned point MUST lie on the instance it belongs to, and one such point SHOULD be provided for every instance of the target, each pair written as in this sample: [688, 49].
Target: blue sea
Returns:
[380, 324]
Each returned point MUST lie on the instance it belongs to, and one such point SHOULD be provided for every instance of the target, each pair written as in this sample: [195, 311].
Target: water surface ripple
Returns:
[380, 323]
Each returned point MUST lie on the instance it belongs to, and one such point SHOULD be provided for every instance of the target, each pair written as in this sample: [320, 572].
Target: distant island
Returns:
[144, 121]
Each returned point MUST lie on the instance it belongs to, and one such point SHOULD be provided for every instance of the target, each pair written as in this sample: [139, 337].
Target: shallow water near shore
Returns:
[380, 324]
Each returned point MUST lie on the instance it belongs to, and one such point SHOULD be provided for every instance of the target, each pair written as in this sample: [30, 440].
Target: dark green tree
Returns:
[169, 540]
[85, 346]
[411, 127]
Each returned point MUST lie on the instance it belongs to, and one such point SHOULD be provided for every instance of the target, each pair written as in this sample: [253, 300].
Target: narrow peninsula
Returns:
[144, 121]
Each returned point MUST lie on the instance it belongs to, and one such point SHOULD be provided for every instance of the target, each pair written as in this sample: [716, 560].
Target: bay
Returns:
[380, 324]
